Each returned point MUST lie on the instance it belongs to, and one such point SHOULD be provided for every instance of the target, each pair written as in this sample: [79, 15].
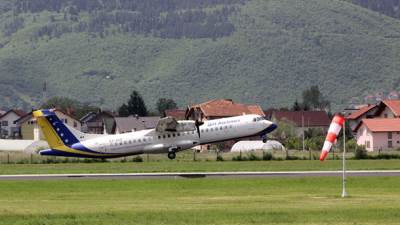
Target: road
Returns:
[198, 175]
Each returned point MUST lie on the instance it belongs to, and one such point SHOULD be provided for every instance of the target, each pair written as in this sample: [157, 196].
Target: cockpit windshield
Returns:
[258, 119]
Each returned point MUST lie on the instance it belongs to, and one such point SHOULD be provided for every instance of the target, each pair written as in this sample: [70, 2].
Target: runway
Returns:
[198, 175]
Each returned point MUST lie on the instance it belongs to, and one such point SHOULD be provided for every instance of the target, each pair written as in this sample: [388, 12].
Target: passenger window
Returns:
[163, 136]
[220, 128]
[173, 135]
[159, 137]
[169, 135]
[179, 134]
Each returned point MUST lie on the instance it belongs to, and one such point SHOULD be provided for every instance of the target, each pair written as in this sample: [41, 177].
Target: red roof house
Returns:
[379, 133]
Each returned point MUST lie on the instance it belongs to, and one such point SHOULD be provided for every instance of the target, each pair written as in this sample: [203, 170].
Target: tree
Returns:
[314, 99]
[296, 106]
[123, 110]
[135, 106]
[70, 106]
[164, 104]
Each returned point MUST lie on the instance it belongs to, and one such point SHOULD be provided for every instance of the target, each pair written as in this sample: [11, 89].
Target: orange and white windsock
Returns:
[333, 132]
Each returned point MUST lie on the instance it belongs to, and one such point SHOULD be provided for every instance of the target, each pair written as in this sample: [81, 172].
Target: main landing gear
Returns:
[171, 155]
[172, 152]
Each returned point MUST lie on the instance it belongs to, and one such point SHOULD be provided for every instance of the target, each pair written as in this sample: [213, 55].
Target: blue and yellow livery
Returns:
[61, 140]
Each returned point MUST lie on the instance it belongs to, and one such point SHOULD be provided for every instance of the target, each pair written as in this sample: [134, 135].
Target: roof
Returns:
[357, 114]
[311, 118]
[127, 124]
[226, 108]
[91, 115]
[29, 116]
[381, 125]
[394, 105]
[18, 112]
[176, 113]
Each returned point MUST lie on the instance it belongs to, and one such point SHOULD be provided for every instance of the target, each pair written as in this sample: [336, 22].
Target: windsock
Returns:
[333, 132]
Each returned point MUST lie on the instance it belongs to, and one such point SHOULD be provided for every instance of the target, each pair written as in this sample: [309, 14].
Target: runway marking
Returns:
[198, 175]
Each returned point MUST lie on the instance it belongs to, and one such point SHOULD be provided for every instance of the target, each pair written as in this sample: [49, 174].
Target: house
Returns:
[221, 108]
[134, 123]
[366, 111]
[30, 129]
[100, 122]
[388, 109]
[8, 127]
[178, 114]
[379, 134]
[301, 119]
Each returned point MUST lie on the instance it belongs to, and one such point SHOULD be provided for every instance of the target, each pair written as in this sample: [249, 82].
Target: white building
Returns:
[9, 128]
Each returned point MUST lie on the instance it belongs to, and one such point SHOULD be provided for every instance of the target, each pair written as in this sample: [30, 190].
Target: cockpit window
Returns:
[258, 119]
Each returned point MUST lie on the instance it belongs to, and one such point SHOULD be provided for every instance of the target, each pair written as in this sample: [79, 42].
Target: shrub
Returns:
[239, 158]
[220, 158]
[137, 159]
[361, 153]
[253, 157]
[268, 156]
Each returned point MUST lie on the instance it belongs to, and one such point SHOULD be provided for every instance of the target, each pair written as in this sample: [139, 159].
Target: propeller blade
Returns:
[198, 124]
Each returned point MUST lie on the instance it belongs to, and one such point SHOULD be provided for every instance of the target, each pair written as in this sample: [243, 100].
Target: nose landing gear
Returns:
[264, 138]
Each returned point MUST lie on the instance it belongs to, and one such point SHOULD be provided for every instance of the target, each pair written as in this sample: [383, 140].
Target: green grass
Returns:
[190, 166]
[373, 200]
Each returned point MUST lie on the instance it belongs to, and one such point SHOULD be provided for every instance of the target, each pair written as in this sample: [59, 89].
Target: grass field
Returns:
[197, 166]
[373, 200]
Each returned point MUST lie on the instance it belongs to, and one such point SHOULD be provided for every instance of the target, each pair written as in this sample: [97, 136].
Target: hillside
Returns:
[255, 51]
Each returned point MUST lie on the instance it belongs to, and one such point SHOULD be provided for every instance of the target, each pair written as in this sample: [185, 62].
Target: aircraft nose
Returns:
[270, 126]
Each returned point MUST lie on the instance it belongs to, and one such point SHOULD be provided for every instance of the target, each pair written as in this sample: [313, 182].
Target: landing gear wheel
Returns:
[264, 139]
[171, 155]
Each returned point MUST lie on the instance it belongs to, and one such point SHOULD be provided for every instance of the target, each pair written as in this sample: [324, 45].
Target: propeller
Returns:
[198, 124]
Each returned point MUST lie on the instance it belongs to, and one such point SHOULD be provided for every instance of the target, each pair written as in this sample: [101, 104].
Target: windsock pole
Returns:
[344, 193]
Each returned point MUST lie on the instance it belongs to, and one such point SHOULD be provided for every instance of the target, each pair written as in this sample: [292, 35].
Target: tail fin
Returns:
[55, 131]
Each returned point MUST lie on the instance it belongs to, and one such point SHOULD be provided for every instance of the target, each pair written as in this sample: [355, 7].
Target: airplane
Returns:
[170, 136]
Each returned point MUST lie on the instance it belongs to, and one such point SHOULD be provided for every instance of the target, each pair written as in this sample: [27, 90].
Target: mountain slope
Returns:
[257, 51]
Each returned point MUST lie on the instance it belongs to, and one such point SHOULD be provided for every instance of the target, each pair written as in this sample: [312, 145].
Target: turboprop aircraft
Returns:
[170, 136]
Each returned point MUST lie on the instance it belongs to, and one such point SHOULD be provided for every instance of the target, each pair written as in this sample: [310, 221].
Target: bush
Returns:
[385, 156]
[220, 158]
[293, 143]
[268, 156]
[361, 153]
[137, 159]
[239, 158]
[351, 145]
[253, 157]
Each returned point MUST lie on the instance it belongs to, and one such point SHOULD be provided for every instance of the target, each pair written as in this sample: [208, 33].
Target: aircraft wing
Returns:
[172, 125]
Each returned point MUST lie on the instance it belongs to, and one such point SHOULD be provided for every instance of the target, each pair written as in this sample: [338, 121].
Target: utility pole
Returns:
[302, 125]
[344, 193]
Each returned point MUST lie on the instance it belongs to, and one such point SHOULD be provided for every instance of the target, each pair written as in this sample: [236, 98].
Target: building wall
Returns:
[377, 140]
[381, 141]
[364, 137]
[10, 118]
[387, 113]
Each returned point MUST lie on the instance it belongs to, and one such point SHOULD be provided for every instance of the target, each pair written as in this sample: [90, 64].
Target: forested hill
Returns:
[387, 7]
[255, 51]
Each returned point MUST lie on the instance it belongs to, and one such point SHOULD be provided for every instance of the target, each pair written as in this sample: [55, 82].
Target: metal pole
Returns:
[344, 193]
[302, 125]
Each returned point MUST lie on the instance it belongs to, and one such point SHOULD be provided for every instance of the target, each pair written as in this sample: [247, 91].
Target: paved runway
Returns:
[198, 175]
